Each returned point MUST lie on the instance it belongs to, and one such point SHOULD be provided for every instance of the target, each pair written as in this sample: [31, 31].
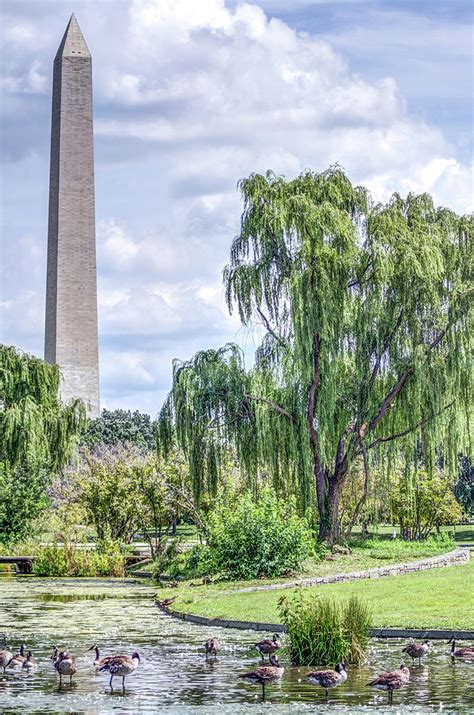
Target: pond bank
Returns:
[432, 634]
[431, 599]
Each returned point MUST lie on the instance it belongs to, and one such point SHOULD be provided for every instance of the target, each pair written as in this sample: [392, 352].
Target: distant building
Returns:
[71, 335]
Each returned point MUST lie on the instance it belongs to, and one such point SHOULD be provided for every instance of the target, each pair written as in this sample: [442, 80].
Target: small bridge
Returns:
[23, 564]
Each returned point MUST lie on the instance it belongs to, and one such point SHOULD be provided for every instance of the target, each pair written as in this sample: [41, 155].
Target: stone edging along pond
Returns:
[278, 628]
[458, 556]
[452, 558]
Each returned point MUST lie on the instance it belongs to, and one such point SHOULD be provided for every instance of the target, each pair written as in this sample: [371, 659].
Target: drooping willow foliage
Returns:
[366, 352]
[36, 429]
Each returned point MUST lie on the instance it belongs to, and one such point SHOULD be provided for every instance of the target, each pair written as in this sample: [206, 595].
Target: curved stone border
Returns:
[278, 628]
[452, 558]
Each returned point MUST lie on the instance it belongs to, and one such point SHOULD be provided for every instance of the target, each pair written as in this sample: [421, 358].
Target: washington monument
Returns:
[71, 338]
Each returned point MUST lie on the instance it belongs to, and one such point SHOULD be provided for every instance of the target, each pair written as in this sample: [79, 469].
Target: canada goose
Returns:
[265, 674]
[392, 680]
[99, 662]
[18, 659]
[29, 663]
[328, 678]
[5, 658]
[267, 646]
[120, 665]
[65, 664]
[466, 652]
[5, 655]
[417, 650]
[212, 646]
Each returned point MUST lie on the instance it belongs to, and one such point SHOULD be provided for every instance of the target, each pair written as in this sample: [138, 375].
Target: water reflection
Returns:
[174, 676]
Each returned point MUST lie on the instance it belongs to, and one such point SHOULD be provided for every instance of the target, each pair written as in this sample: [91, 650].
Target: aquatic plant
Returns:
[322, 631]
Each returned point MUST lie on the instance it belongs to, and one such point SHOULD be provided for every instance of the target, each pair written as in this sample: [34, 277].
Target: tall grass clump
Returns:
[322, 631]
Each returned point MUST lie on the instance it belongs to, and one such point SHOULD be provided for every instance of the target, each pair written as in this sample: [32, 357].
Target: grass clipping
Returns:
[322, 631]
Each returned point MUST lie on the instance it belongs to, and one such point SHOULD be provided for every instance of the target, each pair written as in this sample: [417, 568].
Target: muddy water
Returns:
[174, 676]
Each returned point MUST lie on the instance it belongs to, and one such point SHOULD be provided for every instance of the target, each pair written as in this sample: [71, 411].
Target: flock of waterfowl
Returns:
[327, 679]
[65, 663]
[122, 665]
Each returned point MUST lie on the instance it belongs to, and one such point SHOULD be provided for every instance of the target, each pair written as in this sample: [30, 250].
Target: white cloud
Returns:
[200, 94]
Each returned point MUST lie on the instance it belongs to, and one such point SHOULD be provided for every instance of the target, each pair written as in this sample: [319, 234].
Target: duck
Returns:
[417, 650]
[212, 646]
[267, 646]
[328, 678]
[265, 673]
[19, 658]
[392, 680]
[121, 666]
[29, 663]
[466, 652]
[65, 664]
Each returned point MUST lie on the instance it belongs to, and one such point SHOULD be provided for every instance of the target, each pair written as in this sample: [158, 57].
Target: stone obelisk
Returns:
[71, 336]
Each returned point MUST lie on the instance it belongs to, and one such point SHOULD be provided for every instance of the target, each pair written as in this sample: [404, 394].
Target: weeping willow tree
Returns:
[365, 354]
[37, 435]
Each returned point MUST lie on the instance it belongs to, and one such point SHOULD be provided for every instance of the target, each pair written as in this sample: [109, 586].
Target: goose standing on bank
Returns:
[390, 681]
[466, 652]
[417, 650]
[328, 678]
[265, 674]
[267, 646]
[212, 646]
[65, 664]
[120, 666]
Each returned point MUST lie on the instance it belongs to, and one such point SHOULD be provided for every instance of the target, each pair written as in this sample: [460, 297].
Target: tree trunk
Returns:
[329, 524]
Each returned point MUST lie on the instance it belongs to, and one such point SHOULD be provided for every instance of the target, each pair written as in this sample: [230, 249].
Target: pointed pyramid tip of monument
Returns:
[73, 43]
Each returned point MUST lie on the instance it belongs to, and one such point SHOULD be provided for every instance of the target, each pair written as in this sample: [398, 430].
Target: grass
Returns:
[323, 630]
[440, 598]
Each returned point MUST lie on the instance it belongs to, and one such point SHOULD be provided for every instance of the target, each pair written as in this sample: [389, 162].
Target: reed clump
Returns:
[322, 631]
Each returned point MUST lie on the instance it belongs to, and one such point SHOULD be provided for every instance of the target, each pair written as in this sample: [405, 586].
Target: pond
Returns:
[174, 676]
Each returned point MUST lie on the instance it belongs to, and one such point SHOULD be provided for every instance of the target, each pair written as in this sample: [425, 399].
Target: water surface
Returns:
[174, 676]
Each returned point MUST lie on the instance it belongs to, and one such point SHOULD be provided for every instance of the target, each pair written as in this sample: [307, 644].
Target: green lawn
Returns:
[441, 598]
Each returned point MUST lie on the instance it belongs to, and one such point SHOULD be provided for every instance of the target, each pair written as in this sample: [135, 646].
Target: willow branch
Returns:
[273, 405]
[397, 388]
[357, 281]
[313, 389]
[385, 347]
[404, 433]
[365, 492]
[269, 328]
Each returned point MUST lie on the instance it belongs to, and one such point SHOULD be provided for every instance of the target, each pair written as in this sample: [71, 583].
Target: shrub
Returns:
[322, 631]
[59, 561]
[250, 539]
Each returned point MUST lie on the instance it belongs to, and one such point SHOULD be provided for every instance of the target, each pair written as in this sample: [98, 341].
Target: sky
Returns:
[189, 97]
